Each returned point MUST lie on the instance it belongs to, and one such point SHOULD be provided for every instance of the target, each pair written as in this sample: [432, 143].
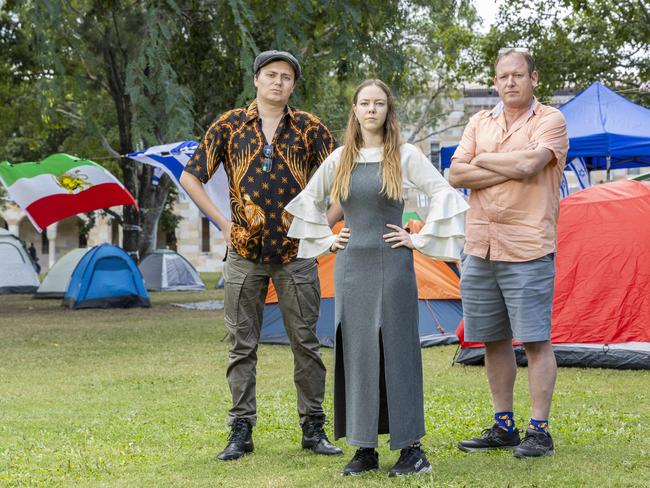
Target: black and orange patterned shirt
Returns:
[257, 198]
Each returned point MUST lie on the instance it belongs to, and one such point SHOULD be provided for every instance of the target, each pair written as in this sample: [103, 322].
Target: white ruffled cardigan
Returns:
[441, 237]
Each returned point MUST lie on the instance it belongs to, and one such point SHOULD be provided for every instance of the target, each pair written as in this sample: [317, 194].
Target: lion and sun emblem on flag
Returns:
[73, 181]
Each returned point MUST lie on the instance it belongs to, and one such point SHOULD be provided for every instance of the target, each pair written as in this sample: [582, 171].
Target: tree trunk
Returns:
[153, 202]
[115, 63]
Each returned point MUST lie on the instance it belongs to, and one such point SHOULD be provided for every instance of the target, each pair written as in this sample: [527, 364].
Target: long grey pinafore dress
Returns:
[378, 366]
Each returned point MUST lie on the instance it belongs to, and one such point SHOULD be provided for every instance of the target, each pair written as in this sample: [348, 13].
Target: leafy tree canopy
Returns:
[577, 42]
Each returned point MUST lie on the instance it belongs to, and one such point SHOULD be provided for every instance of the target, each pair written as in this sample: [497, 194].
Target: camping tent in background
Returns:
[601, 305]
[220, 283]
[438, 302]
[165, 270]
[605, 129]
[414, 226]
[602, 124]
[106, 277]
[406, 216]
[641, 177]
[58, 278]
[17, 274]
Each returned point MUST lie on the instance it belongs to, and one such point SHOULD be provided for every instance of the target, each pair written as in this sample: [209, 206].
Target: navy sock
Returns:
[538, 425]
[505, 421]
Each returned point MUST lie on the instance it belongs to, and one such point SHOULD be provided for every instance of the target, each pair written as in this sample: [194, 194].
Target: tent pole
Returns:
[609, 168]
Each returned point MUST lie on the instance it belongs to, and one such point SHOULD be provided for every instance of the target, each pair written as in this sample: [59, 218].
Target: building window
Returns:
[205, 235]
[434, 154]
[45, 243]
[423, 200]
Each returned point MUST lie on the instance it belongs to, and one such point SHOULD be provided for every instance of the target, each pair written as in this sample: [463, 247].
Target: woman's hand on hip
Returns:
[341, 240]
[398, 237]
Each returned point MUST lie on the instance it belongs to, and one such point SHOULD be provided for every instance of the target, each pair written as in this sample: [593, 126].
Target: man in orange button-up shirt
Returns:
[512, 158]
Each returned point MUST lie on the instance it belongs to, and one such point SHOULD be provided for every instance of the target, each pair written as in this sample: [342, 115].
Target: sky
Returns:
[487, 9]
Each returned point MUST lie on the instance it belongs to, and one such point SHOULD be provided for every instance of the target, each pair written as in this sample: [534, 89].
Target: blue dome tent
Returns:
[106, 277]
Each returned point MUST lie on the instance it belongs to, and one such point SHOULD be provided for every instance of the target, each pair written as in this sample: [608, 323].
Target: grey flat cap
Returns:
[267, 57]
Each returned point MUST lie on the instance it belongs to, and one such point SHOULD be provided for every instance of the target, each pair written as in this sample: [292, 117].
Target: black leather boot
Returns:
[315, 438]
[240, 441]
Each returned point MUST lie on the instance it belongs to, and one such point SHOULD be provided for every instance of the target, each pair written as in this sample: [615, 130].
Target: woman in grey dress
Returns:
[378, 367]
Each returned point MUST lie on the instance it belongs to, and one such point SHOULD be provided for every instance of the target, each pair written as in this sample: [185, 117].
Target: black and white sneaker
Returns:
[412, 460]
[493, 438]
[365, 459]
[535, 444]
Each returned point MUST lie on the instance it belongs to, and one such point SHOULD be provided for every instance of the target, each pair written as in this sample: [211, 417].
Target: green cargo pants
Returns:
[298, 289]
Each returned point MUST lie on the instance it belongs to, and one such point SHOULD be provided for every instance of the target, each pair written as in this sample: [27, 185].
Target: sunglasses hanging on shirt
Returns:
[267, 151]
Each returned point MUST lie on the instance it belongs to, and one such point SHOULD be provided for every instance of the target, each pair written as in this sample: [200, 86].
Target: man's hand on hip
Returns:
[226, 234]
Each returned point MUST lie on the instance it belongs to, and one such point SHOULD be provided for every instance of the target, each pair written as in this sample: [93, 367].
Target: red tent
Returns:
[601, 306]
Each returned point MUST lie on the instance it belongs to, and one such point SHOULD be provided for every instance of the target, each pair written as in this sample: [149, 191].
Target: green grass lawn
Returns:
[138, 398]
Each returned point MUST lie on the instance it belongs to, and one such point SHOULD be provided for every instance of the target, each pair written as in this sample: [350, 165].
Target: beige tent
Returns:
[56, 282]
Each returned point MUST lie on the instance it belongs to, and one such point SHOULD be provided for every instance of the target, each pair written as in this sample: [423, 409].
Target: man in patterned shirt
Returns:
[268, 150]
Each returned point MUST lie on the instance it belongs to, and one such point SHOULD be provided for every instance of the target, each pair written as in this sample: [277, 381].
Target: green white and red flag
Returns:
[61, 186]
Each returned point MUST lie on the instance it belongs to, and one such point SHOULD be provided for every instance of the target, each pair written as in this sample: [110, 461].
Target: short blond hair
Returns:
[507, 51]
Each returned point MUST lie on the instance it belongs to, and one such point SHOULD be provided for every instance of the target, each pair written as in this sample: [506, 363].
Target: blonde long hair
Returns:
[391, 185]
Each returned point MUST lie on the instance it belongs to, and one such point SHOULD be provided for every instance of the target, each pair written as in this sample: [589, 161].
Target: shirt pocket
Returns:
[487, 145]
[517, 140]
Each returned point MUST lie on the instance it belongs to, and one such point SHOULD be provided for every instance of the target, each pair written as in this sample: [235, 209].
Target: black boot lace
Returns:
[318, 431]
[239, 432]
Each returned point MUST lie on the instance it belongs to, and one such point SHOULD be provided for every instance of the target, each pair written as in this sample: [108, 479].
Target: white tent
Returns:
[56, 282]
[17, 273]
[166, 270]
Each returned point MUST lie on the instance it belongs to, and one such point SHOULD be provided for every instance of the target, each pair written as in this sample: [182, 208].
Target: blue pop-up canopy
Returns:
[606, 129]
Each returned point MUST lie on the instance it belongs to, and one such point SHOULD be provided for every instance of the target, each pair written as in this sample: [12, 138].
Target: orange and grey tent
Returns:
[438, 302]
[414, 226]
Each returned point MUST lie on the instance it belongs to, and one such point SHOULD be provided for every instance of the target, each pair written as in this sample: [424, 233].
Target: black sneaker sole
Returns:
[425, 470]
[478, 449]
[360, 473]
[521, 455]
[217, 458]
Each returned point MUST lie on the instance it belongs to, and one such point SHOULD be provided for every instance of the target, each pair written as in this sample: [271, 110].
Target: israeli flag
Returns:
[564, 187]
[172, 158]
[579, 167]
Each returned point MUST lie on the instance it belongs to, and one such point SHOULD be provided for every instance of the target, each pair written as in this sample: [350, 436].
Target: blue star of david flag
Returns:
[171, 160]
[564, 187]
[579, 167]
